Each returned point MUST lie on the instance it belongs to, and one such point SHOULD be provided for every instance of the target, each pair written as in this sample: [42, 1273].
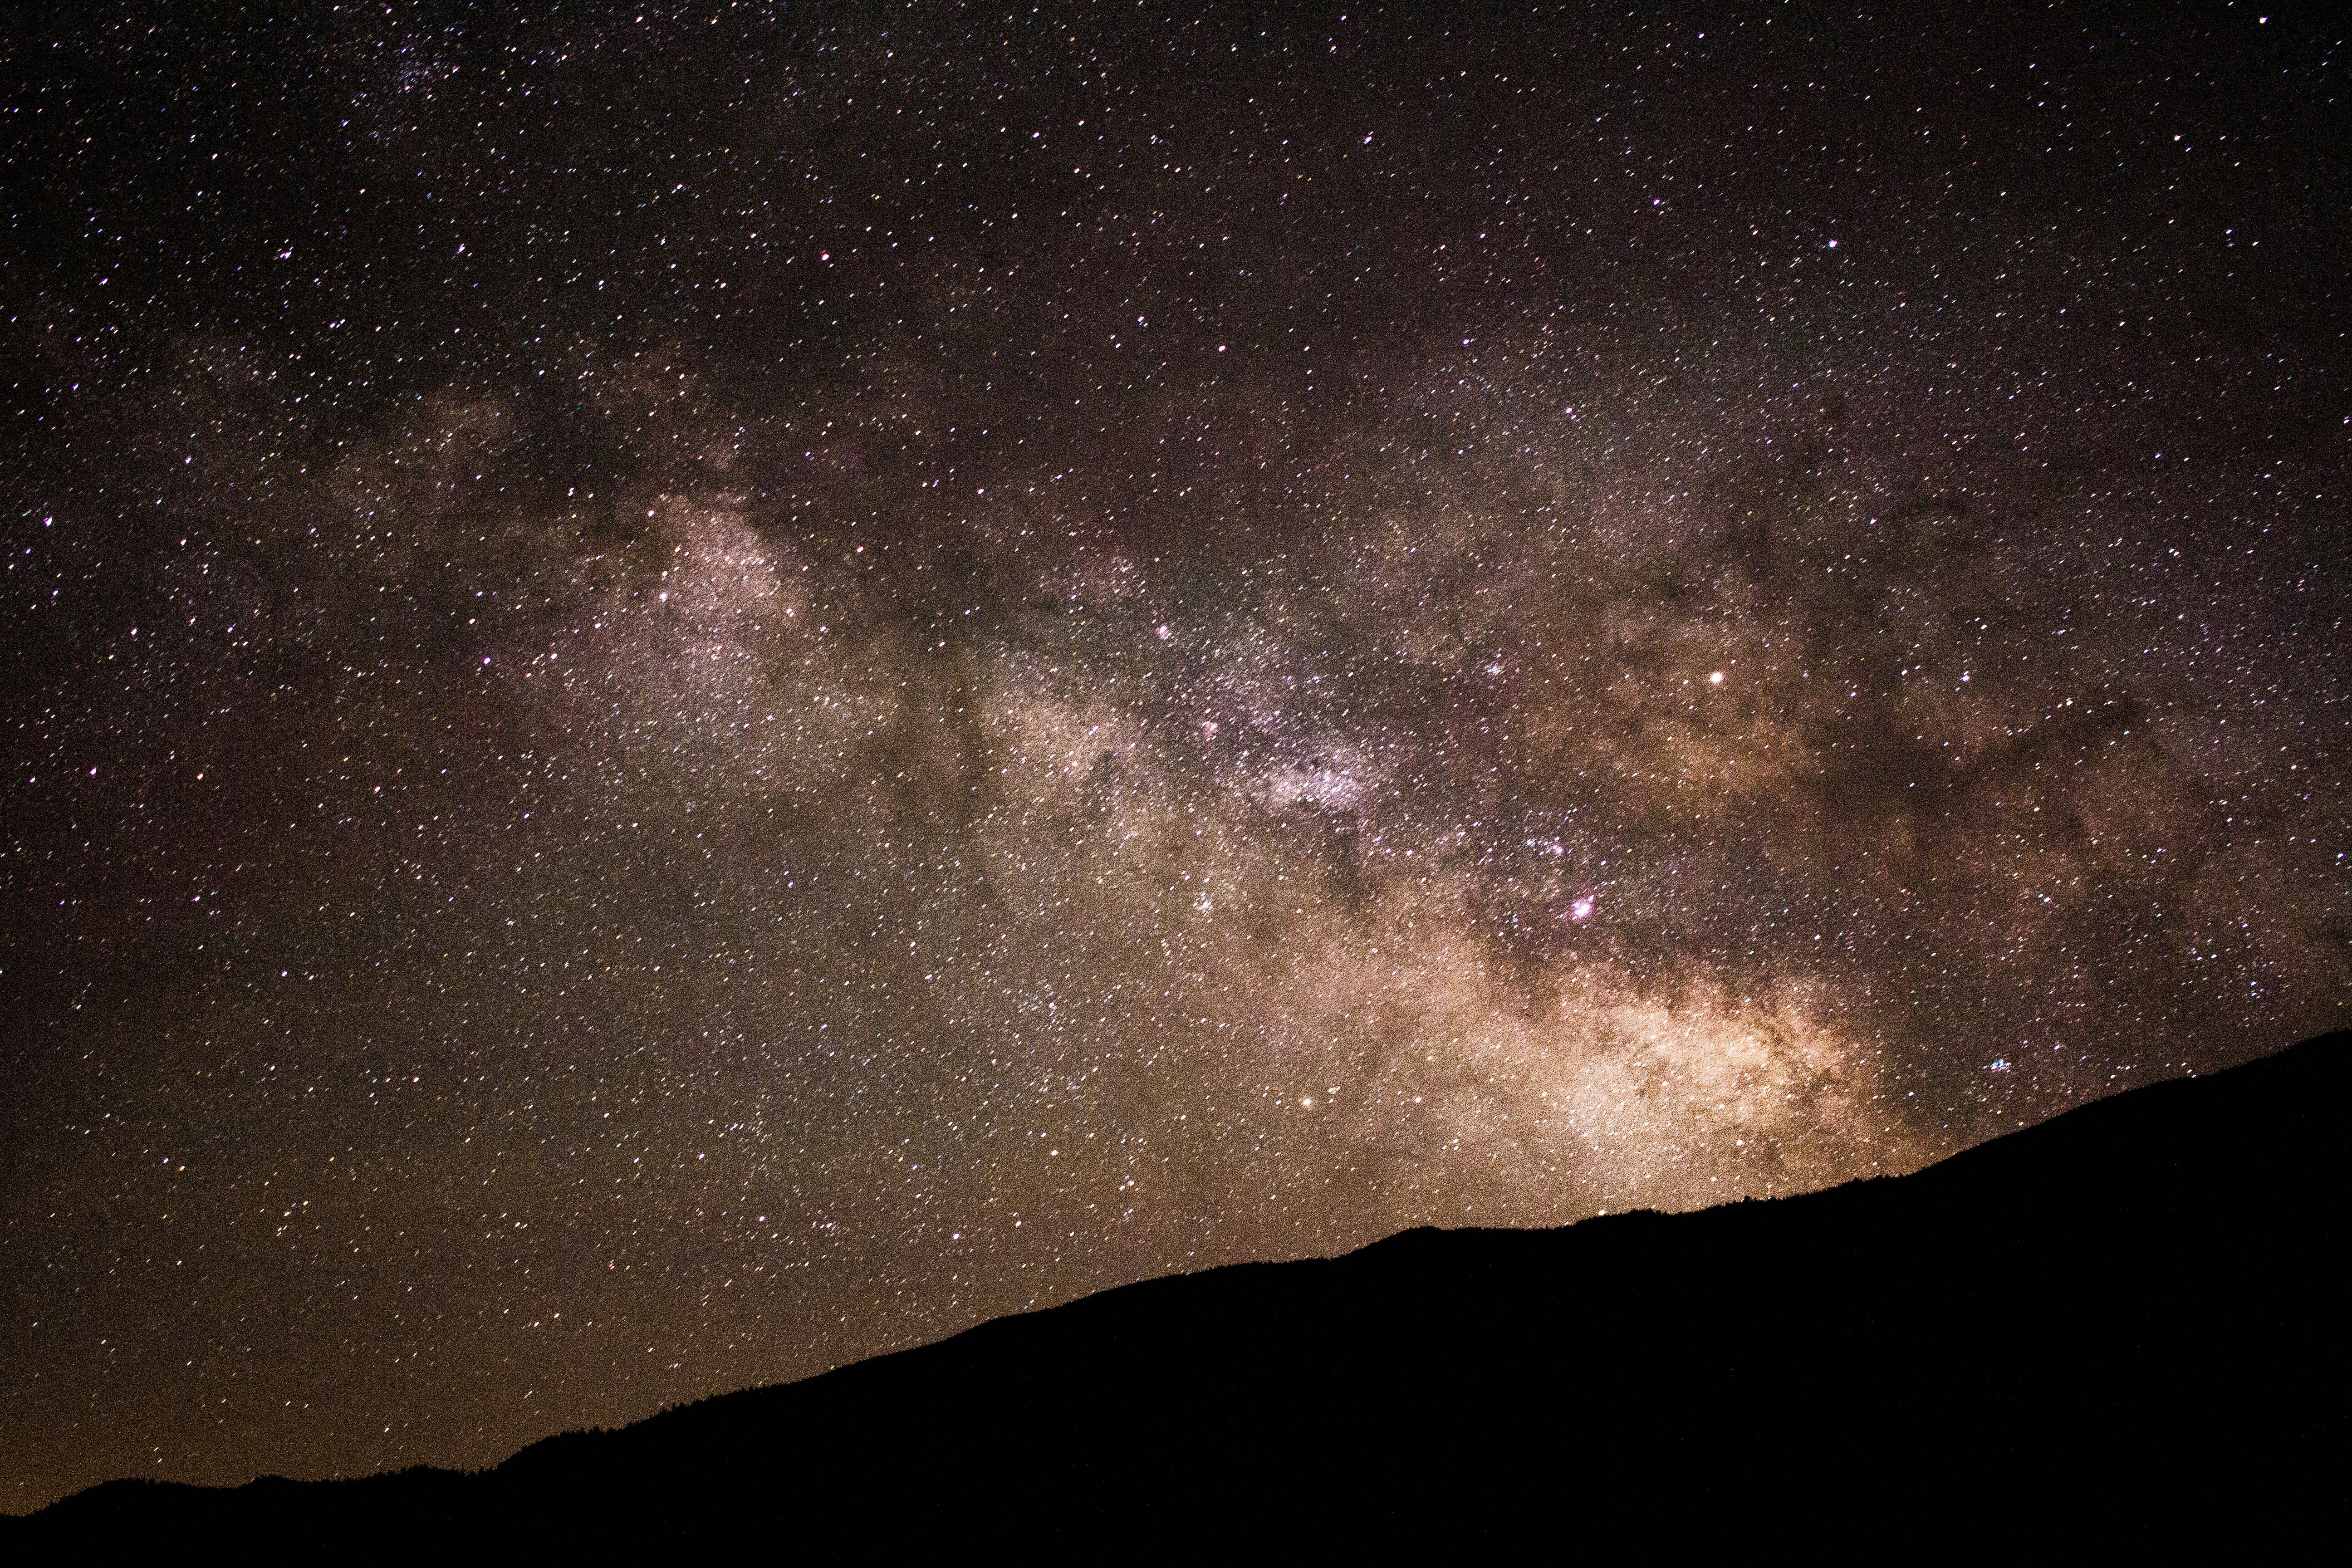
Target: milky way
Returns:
[693, 692]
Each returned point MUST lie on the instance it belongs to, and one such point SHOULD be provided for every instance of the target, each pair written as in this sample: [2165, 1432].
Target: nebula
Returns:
[760, 687]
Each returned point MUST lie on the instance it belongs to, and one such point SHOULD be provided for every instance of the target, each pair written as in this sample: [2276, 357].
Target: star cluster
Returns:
[697, 690]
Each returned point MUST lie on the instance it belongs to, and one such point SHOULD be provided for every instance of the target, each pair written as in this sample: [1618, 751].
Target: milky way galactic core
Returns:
[697, 690]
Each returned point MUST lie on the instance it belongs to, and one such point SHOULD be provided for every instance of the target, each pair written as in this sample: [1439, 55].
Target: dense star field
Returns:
[691, 691]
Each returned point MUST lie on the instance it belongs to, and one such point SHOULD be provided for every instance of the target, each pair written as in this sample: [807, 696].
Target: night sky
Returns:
[690, 692]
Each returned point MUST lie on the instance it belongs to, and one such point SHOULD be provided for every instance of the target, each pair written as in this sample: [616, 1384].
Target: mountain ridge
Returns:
[2134, 1297]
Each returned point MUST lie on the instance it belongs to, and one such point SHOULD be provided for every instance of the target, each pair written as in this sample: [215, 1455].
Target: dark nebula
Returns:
[692, 691]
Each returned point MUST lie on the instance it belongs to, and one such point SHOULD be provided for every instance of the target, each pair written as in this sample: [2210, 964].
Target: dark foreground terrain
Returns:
[2123, 1324]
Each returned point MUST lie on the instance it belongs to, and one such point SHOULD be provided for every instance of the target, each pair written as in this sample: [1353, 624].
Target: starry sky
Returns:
[692, 691]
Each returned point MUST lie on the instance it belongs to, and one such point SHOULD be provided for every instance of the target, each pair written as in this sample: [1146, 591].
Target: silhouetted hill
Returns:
[2122, 1323]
